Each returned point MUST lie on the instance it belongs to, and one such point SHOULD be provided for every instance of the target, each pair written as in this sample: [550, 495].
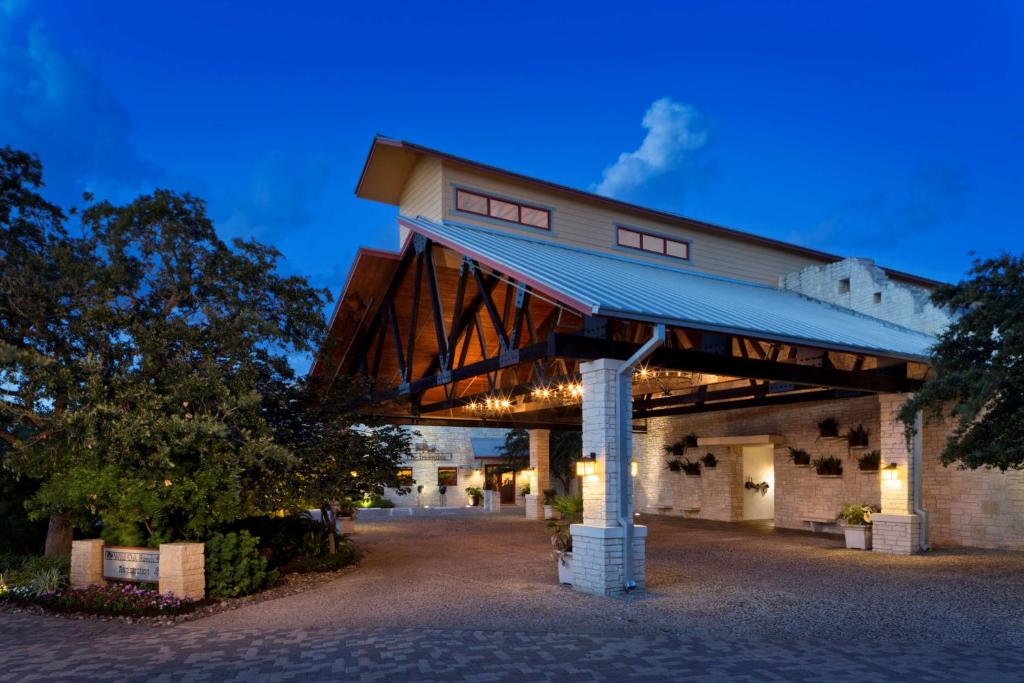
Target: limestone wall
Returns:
[800, 493]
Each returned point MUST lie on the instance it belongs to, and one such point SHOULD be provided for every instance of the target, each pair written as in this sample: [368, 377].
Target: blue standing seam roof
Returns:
[618, 286]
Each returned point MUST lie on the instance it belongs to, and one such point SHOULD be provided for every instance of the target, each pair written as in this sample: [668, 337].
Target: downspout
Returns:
[916, 500]
[623, 433]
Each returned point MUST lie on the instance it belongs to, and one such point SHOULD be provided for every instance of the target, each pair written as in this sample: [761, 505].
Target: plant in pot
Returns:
[570, 511]
[525, 489]
[828, 466]
[856, 521]
[799, 456]
[677, 448]
[346, 512]
[675, 465]
[870, 461]
[857, 437]
[475, 495]
[549, 499]
[828, 428]
[692, 469]
[709, 461]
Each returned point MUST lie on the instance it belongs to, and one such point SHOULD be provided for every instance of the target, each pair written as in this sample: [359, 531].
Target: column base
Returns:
[597, 560]
[534, 506]
[895, 534]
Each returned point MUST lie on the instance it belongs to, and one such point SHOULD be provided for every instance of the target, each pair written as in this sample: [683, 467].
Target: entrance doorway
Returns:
[503, 480]
[758, 470]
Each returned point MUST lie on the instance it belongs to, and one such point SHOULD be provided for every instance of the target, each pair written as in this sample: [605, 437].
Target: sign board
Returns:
[131, 564]
[432, 456]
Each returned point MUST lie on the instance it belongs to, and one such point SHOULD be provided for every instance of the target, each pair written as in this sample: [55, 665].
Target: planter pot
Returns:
[858, 537]
[564, 562]
[550, 513]
[347, 524]
[474, 501]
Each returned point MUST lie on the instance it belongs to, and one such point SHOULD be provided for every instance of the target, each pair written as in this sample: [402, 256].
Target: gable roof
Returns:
[390, 161]
[596, 283]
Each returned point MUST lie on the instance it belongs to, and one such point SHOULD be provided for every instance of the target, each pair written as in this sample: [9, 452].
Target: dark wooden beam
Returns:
[762, 401]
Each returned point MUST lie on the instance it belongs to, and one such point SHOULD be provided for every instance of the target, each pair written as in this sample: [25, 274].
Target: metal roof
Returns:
[604, 284]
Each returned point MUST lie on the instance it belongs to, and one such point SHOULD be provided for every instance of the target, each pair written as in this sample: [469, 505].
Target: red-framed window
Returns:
[654, 244]
[502, 209]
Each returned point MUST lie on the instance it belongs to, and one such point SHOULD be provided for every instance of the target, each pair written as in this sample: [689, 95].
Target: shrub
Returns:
[280, 538]
[549, 496]
[375, 501]
[799, 456]
[570, 511]
[858, 514]
[234, 565]
[37, 574]
[858, 436]
[691, 468]
[828, 427]
[828, 465]
[870, 461]
[316, 557]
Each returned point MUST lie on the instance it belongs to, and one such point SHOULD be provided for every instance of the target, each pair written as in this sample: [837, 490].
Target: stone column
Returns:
[598, 557]
[87, 563]
[540, 444]
[896, 530]
[183, 570]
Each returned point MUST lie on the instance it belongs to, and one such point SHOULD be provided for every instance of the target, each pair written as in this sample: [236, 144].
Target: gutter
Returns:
[916, 500]
[623, 428]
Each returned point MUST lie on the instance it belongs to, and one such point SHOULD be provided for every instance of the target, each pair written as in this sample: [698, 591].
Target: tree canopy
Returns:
[144, 366]
[564, 450]
[977, 378]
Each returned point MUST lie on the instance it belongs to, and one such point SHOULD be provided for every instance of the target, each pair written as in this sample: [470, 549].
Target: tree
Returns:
[564, 450]
[978, 368]
[138, 360]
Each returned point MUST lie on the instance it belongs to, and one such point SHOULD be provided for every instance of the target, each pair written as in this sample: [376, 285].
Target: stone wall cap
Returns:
[587, 531]
[880, 517]
[601, 364]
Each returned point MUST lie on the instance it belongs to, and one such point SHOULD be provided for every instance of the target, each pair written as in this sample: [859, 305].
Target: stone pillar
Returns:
[540, 444]
[87, 563]
[492, 501]
[183, 570]
[896, 530]
[598, 557]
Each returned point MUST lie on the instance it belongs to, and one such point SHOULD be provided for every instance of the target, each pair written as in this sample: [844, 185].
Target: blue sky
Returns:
[887, 130]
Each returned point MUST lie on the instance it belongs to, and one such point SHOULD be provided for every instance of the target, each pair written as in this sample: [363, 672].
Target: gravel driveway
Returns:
[470, 596]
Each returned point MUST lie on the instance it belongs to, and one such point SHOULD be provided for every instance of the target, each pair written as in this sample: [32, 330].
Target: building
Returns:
[515, 302]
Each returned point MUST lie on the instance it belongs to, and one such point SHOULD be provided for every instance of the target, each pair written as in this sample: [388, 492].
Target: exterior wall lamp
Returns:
[891, 474]
[587, 465]
[634, 468]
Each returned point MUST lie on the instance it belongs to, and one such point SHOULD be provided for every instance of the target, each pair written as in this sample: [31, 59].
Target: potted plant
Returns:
[829, 466]
[549, 498]
[870, 461]
[346, 511]
[856, 521]
[675, 465]
[475, 495]
[692, 469]
[857, 437]
[828, 428]
[799, 456]
[570, 511]
[709, 461]
[525, 489]
[677, 448]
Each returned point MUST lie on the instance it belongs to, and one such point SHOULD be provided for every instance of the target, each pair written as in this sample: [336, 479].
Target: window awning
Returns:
[603, 284]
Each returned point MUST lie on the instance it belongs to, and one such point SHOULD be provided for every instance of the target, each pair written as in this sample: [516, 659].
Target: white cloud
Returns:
[673, 129]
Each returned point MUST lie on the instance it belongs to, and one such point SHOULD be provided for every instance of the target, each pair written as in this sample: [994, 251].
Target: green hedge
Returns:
[234, 565]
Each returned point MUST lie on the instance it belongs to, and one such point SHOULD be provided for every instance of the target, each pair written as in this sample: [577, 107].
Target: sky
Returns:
[892, 131]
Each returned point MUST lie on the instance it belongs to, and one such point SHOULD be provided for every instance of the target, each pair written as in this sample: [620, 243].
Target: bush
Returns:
[234, 565]
[318, 559]
[375, 501]
[36, 574]
[280, 538]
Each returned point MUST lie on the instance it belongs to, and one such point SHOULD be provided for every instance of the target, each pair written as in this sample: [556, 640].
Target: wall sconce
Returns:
[634, 468]
[891, 473]
[587, 465]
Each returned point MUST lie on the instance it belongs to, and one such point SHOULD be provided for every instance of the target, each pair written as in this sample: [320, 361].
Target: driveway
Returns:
[469, 596]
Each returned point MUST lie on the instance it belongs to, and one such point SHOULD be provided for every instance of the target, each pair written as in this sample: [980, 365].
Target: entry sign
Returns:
[131, 564]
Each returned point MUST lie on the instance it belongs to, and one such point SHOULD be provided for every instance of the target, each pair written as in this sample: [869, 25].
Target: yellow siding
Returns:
[592, 226]
[422, 194]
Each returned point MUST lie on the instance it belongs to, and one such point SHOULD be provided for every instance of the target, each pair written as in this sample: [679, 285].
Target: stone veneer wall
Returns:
[979, 508]
[454, 440]
[800, 493]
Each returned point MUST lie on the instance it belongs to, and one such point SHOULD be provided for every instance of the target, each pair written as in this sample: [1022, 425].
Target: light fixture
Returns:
[634, 468]
[586, 465]
[354, 473]
[891, 473]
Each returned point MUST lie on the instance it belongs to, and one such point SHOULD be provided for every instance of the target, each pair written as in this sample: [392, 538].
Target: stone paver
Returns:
[472, 597]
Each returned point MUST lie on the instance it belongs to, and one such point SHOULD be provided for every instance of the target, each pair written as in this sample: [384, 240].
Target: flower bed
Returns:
[122, 599]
